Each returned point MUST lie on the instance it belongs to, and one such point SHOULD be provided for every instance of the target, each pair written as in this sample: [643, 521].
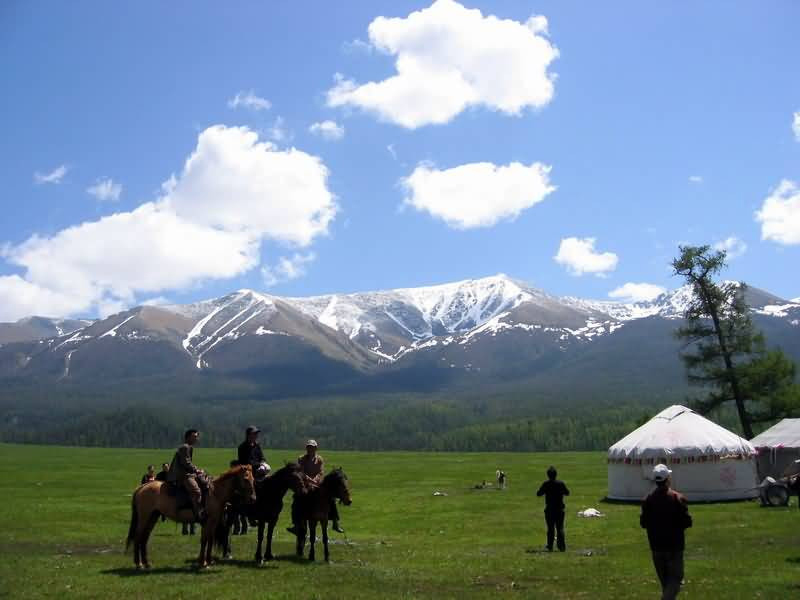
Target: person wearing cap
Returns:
[149, 476]
[665, 516]
[250, 452]
[554, 491]
[313, 467]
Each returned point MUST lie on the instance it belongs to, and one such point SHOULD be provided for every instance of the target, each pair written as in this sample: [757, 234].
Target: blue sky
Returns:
[507, 140]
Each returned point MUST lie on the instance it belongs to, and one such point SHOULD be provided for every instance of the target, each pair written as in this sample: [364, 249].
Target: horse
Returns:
[267, 507]
[152, 499]
[314, 508]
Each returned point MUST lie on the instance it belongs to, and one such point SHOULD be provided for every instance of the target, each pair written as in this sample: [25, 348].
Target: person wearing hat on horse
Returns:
[185, 474]
[250, 452]
[313, 468]
[665, 516]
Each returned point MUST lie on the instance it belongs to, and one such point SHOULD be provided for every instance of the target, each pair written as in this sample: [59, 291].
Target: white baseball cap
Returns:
[312, 443]
[661, 472]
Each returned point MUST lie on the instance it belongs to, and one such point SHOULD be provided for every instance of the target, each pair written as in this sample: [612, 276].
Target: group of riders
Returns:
[186, 475]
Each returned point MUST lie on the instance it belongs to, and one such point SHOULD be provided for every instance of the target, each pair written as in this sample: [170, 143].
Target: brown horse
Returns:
[151, 500]
[314, 508]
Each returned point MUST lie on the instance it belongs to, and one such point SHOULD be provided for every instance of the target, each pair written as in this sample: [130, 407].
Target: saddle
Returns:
[182, 498]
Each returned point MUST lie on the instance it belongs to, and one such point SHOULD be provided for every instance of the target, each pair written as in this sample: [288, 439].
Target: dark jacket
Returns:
[665, 515]
[250, 455]
[162, 475]
[553, 491]
[182, 466]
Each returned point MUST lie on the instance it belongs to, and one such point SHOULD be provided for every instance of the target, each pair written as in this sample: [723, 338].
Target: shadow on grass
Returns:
[133, 572]
[270, 564]
[794, 560]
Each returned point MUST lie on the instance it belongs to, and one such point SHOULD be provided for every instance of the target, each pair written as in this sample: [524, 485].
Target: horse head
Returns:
[338, 485]
[296, 480]
[245, 484]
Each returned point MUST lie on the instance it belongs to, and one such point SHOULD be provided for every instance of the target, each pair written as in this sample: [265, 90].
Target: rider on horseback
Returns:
[250, 452]
[183, 473]
[313, 467]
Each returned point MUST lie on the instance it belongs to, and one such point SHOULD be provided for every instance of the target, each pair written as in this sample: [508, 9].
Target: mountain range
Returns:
[486, 329]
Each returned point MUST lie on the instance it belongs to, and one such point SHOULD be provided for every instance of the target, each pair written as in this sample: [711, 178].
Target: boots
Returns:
[336, 526]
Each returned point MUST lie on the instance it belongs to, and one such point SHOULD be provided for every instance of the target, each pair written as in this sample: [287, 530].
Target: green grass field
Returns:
[64, 514]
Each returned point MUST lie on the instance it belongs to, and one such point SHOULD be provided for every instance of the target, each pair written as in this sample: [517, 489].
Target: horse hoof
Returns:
[269, 557]
[228, 556]
[138, 567]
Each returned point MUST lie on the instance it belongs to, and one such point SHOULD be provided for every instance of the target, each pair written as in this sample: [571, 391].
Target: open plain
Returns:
[65, 514]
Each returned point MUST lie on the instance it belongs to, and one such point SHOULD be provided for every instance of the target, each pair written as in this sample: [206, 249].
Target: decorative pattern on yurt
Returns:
[708, 462]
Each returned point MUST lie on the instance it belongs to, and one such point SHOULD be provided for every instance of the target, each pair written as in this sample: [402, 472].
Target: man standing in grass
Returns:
[554, 491]
[665, 515]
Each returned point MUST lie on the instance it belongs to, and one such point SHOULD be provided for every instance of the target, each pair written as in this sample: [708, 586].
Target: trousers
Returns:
[555, 529]
[669, 568]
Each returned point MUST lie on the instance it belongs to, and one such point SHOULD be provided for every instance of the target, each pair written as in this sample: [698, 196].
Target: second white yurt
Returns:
[708, 462]
[778, 448]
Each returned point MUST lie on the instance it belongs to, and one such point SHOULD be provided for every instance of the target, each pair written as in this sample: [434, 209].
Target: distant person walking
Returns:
[665, 516]
[150, 475]
[554, 491]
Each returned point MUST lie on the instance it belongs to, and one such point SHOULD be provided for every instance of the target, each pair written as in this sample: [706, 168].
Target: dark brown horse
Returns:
[314, 508]
[267, 507]
[152, 499]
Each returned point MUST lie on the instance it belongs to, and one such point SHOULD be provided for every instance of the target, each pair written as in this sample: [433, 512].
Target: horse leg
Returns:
[270, 530]
[202, 563]
[260, 541]
[324, 526]
[312, 539]
[148, 528]
[301, 536]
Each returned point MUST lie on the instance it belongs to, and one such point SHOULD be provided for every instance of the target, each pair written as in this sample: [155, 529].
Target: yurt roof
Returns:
[678, 431]
[786, 434]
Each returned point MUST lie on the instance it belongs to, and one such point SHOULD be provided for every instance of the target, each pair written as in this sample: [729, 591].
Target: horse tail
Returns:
[134, 523]
[221, 535]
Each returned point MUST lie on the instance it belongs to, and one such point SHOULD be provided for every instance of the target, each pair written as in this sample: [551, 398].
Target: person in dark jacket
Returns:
[665, 516]
[554, 491]
[250, 452]
[163, 473]
[183, 472]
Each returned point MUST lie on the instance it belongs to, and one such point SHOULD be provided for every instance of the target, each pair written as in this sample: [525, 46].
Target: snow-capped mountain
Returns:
[35, 328]
[495, 326]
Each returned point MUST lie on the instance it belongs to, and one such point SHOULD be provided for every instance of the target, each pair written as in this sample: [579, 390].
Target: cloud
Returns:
[286, 269]
[249, 100]
[780, 214]
[233, 193]
[477, 194]
[695, 179]
[278, 132]
[637, 292]
[390, 149]
[450, 58]
[796, 125]
[328, 130]
[55, 176]
[579, 256]
[105, 189]
[732, 246]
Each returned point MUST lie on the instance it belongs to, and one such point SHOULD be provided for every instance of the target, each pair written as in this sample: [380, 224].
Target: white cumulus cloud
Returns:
[732, 246]
[449, 58]
[477, 194]
[637, 292]
[329, 130]
[249, 100]
[105, 189]
[579, 256]
[780, 214]
[233, 193]
[287, 268]
[54, 176]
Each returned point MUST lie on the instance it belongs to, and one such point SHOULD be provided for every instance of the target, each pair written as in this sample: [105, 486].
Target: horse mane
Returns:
[232, 472]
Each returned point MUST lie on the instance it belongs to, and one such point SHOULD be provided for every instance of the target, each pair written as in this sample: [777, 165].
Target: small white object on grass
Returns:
[438, 493]
[590, 512]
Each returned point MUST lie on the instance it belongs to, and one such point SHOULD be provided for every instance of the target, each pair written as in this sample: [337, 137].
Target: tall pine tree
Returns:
[723, 350]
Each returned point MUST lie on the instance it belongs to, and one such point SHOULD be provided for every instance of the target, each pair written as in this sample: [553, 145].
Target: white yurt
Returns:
[708, 462]
[778, 448]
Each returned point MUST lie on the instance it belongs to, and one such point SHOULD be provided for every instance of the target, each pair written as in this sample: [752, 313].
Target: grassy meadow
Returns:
[64, 514]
